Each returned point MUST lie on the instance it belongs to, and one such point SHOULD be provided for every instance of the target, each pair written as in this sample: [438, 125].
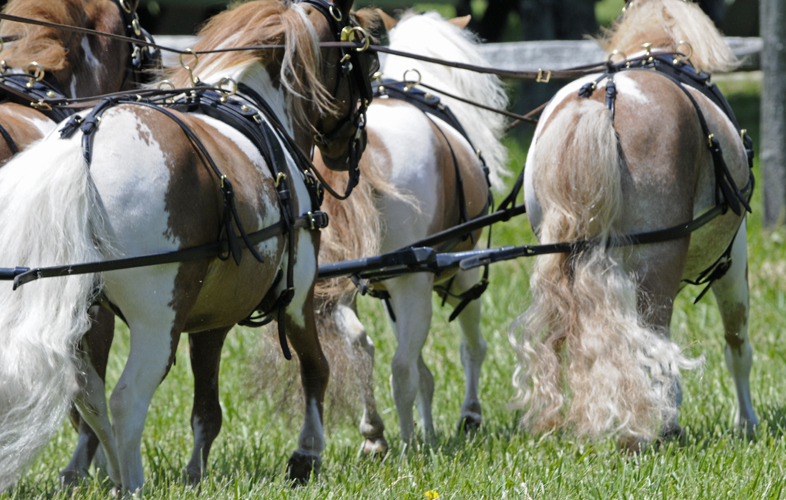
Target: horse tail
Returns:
[47, 208]
[586, 363]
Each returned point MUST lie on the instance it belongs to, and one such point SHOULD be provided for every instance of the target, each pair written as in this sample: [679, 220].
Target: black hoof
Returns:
[300, 466]
[469, 423]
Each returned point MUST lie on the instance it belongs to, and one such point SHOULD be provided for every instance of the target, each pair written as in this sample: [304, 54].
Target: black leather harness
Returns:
[432, 106]
[247, 112]
[727, 194]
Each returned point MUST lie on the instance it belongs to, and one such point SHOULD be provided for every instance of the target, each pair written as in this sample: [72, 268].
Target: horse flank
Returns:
[264, 22]
[664, 23]
[430, 35]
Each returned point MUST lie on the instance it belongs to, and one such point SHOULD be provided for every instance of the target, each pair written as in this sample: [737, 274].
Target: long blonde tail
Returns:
[46, 200]
[586, 363]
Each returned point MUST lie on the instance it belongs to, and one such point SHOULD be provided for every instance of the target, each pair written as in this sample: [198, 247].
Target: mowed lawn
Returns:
[500, 461]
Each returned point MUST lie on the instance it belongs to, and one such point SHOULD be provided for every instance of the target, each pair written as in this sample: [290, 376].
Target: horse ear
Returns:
[460, 22]
[387, 20]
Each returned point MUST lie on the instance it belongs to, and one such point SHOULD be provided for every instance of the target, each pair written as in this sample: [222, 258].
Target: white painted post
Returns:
[773, 110]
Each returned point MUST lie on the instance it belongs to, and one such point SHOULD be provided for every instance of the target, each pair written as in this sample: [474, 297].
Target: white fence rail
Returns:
[530, 56]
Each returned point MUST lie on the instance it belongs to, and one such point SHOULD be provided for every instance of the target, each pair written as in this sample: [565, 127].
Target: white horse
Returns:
[408, 191]
[594, 347]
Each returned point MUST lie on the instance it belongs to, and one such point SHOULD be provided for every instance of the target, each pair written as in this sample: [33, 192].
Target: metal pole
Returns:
[773, 110]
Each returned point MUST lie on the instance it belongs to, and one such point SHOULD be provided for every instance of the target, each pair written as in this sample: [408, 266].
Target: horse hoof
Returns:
[70, 478]
[300, 466]
[375, 447]
[192, 477]
[632, 445]
[671, 432]
[469, 423]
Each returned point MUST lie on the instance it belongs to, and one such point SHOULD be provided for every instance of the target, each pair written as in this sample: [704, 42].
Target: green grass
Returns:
[249, 457]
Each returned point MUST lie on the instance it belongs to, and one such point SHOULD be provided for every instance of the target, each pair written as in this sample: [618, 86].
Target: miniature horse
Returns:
[147, 191]
[409, 190]
[594, 348]
[81, 66]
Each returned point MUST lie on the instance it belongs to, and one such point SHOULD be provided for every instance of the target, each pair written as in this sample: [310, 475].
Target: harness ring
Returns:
[166, 82]
[125, 7]
[366, 39]
[232, 92]
[682, 57]
[409, 84]
[188, 68]
[616, 52]
[36, 72]
[333, 11]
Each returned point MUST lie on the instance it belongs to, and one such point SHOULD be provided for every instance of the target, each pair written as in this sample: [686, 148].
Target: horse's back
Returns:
[411, 150]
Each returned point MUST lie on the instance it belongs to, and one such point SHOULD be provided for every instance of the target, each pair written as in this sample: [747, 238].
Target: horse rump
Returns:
[587, 364]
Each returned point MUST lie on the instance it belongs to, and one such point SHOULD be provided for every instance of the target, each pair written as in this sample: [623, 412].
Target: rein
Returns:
[542, 75]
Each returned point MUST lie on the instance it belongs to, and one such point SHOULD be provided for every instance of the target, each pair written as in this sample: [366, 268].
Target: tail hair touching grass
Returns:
[587, 364]
[46, 207]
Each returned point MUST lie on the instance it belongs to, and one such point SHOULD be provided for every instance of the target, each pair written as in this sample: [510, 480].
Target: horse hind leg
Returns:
[372, 427]
[206, 418]
[731, 294]
[95, 348]
[410, 298]
[473, 350]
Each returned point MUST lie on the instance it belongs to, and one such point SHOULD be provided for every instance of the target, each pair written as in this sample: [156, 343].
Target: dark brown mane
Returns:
[48, 46]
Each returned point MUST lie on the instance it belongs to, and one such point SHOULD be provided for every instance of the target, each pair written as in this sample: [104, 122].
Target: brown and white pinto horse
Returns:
[82, 65]
[147, 191]
[595, 354]
[409, 190]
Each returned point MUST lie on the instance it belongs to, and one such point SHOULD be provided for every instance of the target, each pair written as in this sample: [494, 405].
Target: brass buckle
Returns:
[710, 138]
[280, 177]
[41, 106]
[135, 25]
[647, 50]
[311, 219]
[743, 133]
[543, 76]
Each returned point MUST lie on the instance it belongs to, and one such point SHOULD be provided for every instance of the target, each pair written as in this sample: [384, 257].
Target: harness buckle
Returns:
[710, 138]
[41, 105]
[543, 76]
[281, 177]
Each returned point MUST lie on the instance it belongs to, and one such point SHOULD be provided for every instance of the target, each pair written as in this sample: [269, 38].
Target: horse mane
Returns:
[664, 23]
[48, 47]
[265, 22]
[430, 35]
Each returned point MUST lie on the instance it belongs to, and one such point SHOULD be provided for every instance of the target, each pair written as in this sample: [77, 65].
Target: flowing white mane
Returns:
[430, 35]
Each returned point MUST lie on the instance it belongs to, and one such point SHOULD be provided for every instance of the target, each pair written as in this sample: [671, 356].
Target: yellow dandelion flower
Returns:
[431, 495]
